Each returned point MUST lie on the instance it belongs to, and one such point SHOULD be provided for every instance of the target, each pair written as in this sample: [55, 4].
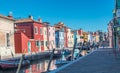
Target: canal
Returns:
[38, 66]
[35, 67]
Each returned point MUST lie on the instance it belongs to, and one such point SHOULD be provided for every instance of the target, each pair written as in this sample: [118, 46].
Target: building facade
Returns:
[70, 38]
[90, 37]
[110, 34]
[6, 36]
[85, 37]
[51, 36]
[45, 38]
[80, 38]
[34, 31]
[97, 40]
[60, 35]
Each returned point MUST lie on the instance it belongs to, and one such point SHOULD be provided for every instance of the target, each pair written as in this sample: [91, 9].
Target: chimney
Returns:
[40, 20]
[30, 17]
[10, 15]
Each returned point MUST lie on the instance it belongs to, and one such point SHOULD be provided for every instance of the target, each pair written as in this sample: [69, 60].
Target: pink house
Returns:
[80, 38]
[50, 36]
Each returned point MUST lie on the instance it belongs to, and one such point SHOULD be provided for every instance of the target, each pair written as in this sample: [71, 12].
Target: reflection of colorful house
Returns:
[31, 29]
[33, 69]
[40, 67]
[6, 36]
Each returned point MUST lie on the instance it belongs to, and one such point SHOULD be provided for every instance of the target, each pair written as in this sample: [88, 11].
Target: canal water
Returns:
[37, 66]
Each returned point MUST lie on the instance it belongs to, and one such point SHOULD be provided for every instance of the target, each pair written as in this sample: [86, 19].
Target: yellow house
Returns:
[97, 37]
[85, 36]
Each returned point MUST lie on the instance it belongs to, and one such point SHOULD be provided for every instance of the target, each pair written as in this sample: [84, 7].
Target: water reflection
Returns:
[35, 67]
[38, 66]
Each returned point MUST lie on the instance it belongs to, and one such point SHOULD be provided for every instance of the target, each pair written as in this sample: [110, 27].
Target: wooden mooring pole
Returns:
[51, 57]
[19, 66]
[74, 49]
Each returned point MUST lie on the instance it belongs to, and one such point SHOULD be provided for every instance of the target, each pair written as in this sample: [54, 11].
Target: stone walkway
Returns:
[100, 61]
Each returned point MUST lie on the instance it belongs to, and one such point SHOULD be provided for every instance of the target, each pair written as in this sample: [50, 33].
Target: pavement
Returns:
[104, 60]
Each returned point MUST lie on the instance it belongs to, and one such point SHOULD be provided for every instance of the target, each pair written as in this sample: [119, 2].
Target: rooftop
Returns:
[6, 17]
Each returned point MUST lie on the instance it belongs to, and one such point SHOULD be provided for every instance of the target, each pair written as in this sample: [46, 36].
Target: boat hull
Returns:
[12, 64]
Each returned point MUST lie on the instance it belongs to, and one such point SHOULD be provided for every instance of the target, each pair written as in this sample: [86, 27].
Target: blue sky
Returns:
[91, 15]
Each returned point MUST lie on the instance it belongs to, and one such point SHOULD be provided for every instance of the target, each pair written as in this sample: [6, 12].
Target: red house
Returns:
[28, 32]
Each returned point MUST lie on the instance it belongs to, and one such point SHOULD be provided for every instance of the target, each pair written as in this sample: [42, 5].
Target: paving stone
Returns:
[100, 61]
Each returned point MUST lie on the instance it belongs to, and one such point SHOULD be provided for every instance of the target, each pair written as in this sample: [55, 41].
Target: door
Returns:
[29, 47]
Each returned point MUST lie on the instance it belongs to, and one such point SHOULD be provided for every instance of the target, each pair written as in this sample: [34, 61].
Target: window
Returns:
[36, 30]
[46, 43]
[45, 32]
[37, 43]
[8, 39]
[40, 30]
[42, 43]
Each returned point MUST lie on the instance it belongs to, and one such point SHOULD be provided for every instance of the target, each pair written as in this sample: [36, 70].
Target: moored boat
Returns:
[11, 64]
[62, 60]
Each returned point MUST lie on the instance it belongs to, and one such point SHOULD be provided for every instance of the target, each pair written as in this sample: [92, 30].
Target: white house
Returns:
[6, 36]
